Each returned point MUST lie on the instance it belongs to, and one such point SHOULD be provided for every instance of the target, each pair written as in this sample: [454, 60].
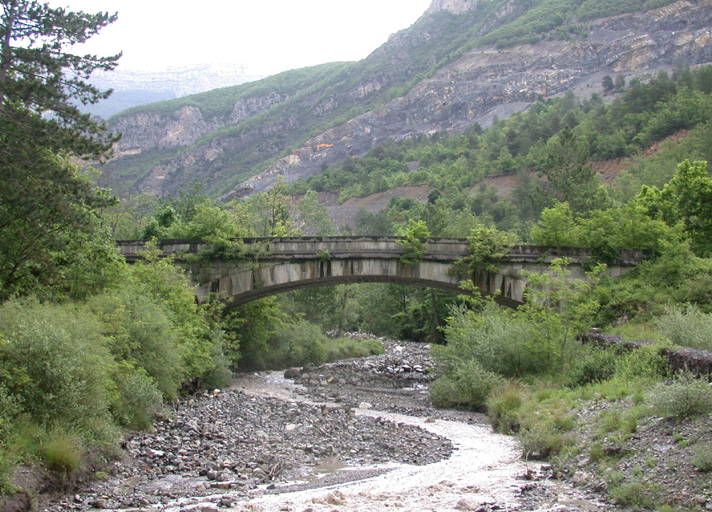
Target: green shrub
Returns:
[143, 336]
[636, 494]
[220, 376]
[466, 384]
[702, 458]
[297, 344]
[503, 408]
[594, 365]
[63, 355]
[62, 452]
[620, 424]
[138, 400]
[596, 453]
[414, 243]
[10, 405]
[686, 396]
[498, 342]
[165, 287]
[646, 362]
[252, 325]
[687, 326]
[543, 440]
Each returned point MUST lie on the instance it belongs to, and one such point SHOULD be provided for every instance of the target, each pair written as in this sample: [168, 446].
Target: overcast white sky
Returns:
[265, 35]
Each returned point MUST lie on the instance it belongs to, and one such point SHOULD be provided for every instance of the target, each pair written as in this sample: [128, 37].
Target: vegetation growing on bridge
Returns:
[414, 243]
[487, 246]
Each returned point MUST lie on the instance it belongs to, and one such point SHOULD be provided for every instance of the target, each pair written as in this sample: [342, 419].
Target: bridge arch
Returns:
[284, 264]
[270, 279]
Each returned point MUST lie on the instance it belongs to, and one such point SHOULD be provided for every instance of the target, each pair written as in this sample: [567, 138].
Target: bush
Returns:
[63, 453]
[466, 384]
[646, 362]
[143, 336]
[251, 325]
[297, 344]
[165, 287]
[498, 342]
[503, 407]
[544, 440]
[686, 396]
[63, 356]
[595, 365]
[139, 399]
[221, 375]
[687, 326]
[10, 405]
[702, 459]
[636, 494]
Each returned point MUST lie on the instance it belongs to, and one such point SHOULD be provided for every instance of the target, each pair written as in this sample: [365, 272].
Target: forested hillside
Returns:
[528, 146]
[445, 73]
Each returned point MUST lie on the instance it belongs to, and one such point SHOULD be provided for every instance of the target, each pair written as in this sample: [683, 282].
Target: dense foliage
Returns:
[47, 205]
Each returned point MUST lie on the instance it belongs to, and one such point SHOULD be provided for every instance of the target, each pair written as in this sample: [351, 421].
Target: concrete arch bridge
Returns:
[276, 265]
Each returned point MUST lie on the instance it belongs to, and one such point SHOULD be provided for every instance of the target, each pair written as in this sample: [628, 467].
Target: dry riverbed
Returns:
[353, 435]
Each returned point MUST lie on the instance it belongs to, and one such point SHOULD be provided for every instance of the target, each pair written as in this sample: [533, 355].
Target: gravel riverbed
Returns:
[352, 435]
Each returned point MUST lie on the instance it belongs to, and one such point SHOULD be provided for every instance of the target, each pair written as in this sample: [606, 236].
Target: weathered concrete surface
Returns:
[278, 265]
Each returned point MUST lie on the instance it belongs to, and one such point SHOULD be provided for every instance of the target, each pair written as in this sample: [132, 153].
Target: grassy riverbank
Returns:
[617, 422]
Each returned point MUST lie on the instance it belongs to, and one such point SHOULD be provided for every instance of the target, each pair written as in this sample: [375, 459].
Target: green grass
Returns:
[702, 458]
[638, 494]
[685, 397]
[63, 453]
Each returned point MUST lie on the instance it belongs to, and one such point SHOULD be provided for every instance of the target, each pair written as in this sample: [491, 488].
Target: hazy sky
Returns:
[265, 35]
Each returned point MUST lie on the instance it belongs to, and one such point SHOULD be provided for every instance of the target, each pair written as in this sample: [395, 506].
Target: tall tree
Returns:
[570, 177]
[685, 199]
[45, 197]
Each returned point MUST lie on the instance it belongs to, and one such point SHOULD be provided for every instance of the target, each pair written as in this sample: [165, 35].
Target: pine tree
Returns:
[47, 203]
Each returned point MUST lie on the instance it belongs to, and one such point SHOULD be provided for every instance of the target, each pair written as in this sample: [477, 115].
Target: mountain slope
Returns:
[445, 73]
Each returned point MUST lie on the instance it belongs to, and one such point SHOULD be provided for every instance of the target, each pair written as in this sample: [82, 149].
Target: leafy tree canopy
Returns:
[46, 200]
[686, 198]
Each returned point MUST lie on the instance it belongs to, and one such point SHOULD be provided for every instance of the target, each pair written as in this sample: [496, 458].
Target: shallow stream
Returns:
[485, 472]
[270, 444]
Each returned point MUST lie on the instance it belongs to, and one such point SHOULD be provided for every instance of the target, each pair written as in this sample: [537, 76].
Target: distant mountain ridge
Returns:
[139, 87]
[463, 62]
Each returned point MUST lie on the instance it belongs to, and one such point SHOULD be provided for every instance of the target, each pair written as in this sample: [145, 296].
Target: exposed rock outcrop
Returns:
[487, 81]
[456, 6]
[483, 82]
[181, 128]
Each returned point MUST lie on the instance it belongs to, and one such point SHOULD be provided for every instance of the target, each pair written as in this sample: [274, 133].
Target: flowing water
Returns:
[485, 472]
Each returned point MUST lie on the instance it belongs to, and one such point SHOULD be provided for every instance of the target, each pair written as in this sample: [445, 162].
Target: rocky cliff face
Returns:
[456, 6]
[487, 81]
[473, 88]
